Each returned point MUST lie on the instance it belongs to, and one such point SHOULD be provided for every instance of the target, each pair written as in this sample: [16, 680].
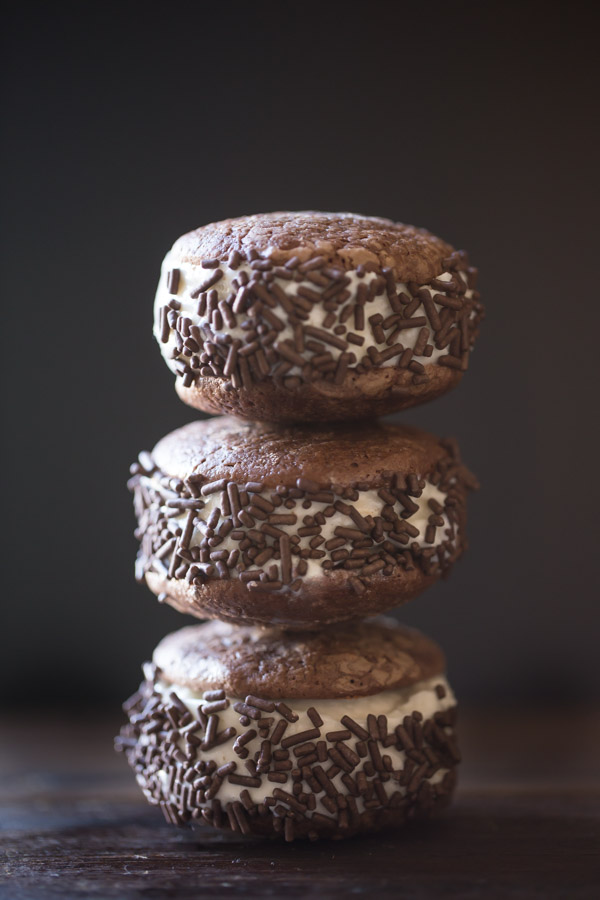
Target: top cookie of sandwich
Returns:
[314, 316]
[345, 661]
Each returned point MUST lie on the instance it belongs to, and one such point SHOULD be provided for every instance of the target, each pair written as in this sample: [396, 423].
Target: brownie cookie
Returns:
[314, 316]
[300, 525]
[301, 735]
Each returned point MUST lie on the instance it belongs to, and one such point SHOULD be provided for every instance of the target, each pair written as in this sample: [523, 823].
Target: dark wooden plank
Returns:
[78, 828]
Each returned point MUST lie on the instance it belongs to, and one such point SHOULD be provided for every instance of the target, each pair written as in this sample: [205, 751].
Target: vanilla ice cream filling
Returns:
[368, 504]
[426, 697]
[191, 277]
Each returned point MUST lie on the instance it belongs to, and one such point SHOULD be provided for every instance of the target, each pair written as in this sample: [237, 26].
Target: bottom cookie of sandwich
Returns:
[302, 735]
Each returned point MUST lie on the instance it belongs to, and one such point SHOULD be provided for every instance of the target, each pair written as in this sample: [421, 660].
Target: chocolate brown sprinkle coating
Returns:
[373, 791]
[269, 330]
[300, 526]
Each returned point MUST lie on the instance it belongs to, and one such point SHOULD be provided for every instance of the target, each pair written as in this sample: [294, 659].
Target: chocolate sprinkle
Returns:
[173, 281]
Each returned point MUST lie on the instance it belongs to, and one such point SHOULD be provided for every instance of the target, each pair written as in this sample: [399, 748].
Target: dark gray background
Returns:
[128, 126]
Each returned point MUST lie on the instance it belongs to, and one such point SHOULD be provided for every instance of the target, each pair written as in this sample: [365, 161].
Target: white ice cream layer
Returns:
[395, 704]
[368, 503]
[192, 276]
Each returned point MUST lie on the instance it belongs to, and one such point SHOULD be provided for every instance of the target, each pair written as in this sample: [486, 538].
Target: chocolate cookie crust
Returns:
[337, 662]
[314, 316]
[345, 239]
[274, 455]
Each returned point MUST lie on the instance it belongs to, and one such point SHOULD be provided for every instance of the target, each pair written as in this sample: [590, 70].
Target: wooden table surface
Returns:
[526, 823]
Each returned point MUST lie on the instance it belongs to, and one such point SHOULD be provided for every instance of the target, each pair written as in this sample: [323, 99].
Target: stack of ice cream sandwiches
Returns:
[295, 514]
